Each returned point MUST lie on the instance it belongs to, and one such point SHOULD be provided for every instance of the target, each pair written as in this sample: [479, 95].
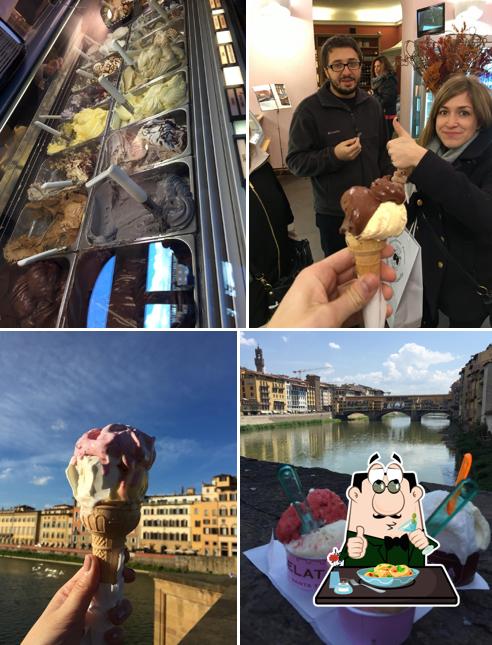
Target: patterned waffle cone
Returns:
[367, 254]
[109, 524]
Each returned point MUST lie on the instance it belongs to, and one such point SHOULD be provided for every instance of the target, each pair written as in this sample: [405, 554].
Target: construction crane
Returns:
[311, 369]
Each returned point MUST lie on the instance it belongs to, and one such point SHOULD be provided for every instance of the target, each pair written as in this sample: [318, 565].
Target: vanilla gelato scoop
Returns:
[110, 464]
[465, 534]
[374, 213]
[320, 542]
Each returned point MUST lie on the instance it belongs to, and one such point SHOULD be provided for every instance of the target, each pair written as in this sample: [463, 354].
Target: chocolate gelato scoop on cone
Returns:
[371, 216]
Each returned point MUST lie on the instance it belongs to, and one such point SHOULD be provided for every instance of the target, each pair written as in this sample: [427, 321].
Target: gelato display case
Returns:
[122, 179]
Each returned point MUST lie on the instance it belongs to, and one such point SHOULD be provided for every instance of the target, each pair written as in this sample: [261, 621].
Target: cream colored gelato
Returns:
[319, 543]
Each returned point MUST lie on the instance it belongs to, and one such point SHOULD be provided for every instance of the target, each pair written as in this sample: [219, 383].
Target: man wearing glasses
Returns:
[338, 138]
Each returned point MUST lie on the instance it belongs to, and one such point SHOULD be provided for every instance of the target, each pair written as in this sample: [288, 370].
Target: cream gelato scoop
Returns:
[465, 534]
[374, 213]
[320, 542]
[110, 464]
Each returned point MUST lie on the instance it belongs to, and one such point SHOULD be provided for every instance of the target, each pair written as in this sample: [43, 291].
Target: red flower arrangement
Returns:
[437, 60]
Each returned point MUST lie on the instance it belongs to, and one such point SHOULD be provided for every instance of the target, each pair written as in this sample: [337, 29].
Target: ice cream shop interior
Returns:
[286, 38]
[122, 163]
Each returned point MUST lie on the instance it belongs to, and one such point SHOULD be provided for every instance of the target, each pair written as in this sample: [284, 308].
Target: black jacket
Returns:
[269, 217]
[321, 122]
[453, 206]
[385, 89]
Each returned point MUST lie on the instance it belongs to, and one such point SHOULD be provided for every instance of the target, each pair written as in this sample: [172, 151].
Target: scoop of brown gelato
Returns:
[360, 203]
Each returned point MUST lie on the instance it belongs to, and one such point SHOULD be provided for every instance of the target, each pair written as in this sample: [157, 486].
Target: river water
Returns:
[24, 595]
[345, 447]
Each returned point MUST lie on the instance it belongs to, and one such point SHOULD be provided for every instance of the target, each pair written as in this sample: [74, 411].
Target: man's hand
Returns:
[327, 294]
[404, 151]
[348, 150]
[419, 539]
[357, 546]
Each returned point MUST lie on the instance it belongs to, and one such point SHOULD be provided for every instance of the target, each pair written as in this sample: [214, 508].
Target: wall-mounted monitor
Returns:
[430, 20]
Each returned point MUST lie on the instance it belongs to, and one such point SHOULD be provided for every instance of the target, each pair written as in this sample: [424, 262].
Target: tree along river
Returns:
[25, 593]
[345, 447]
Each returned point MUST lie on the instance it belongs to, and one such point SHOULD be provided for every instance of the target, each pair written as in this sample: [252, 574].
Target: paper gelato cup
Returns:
[385, 626]
[306, 573]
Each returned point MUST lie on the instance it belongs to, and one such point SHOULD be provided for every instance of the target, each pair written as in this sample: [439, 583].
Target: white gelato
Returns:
[319, 543]
[91, 484]
[388, 220]
[465, 534]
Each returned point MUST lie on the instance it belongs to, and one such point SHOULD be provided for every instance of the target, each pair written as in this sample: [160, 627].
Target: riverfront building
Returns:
[202, 523]
[56, 526]
[166, 522]
[475, 390]
[214, 518]
[19, 525]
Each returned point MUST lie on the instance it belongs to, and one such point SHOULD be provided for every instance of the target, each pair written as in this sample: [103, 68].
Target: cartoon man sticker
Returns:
[385, 522]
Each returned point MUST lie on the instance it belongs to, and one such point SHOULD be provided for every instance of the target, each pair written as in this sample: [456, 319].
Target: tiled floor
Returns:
[300, 196]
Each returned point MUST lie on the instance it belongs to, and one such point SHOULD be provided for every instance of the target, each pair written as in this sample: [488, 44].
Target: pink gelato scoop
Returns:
[111, 463]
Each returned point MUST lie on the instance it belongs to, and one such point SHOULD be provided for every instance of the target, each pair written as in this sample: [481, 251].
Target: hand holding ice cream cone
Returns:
[371, 216]
[108, 475]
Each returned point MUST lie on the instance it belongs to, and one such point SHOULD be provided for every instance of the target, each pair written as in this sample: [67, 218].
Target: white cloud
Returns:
[170, 450]
[411, 370]
[249, 342]
[5, 473]
[285, 339]
[58, 425]
[328, 369]
[334, 345]
[41, 481]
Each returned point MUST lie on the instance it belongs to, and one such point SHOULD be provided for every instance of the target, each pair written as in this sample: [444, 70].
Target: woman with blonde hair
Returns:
[449, 184]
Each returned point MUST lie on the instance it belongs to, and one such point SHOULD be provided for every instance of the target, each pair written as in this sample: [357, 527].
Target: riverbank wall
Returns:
[263, 421]
[220, 566]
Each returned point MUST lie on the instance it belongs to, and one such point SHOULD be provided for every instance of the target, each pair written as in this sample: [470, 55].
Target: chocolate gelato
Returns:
[31, 296]
[117, 217]
[360, 203]
[128, 295]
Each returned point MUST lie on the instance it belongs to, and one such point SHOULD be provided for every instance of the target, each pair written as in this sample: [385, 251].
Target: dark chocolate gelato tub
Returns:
[31, 296]
[142, 285]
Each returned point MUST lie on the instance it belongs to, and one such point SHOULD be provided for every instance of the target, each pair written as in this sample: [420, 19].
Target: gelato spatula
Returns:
[289, 480]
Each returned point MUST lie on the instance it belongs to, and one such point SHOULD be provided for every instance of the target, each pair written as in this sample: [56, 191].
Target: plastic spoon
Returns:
[465, 467]
[289, 480]
[157, 7]
[118, 96]
[52, 131]
[119, 49]
[464, 492]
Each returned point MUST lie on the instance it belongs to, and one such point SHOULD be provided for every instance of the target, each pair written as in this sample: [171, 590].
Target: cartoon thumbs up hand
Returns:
[404, 151]
[357, 546]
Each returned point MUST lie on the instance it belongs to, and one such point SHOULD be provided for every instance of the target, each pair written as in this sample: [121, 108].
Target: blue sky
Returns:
[401, 362]
[179, 387]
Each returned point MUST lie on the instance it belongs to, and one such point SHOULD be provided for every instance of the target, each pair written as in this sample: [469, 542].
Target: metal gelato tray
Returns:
[114, 218]
[82, 82]
[141, 40]
[77, 164]
[152, 65]
[175, 95]
[149, 143]
[48, 225]
[63, 125]
[32, 296]
[150, 285]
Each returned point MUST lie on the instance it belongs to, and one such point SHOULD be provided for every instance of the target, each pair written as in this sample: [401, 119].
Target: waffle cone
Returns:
[367, 254]
[109, 524]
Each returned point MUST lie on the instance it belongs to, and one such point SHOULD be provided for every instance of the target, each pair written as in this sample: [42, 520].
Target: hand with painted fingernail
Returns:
[63, 620]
